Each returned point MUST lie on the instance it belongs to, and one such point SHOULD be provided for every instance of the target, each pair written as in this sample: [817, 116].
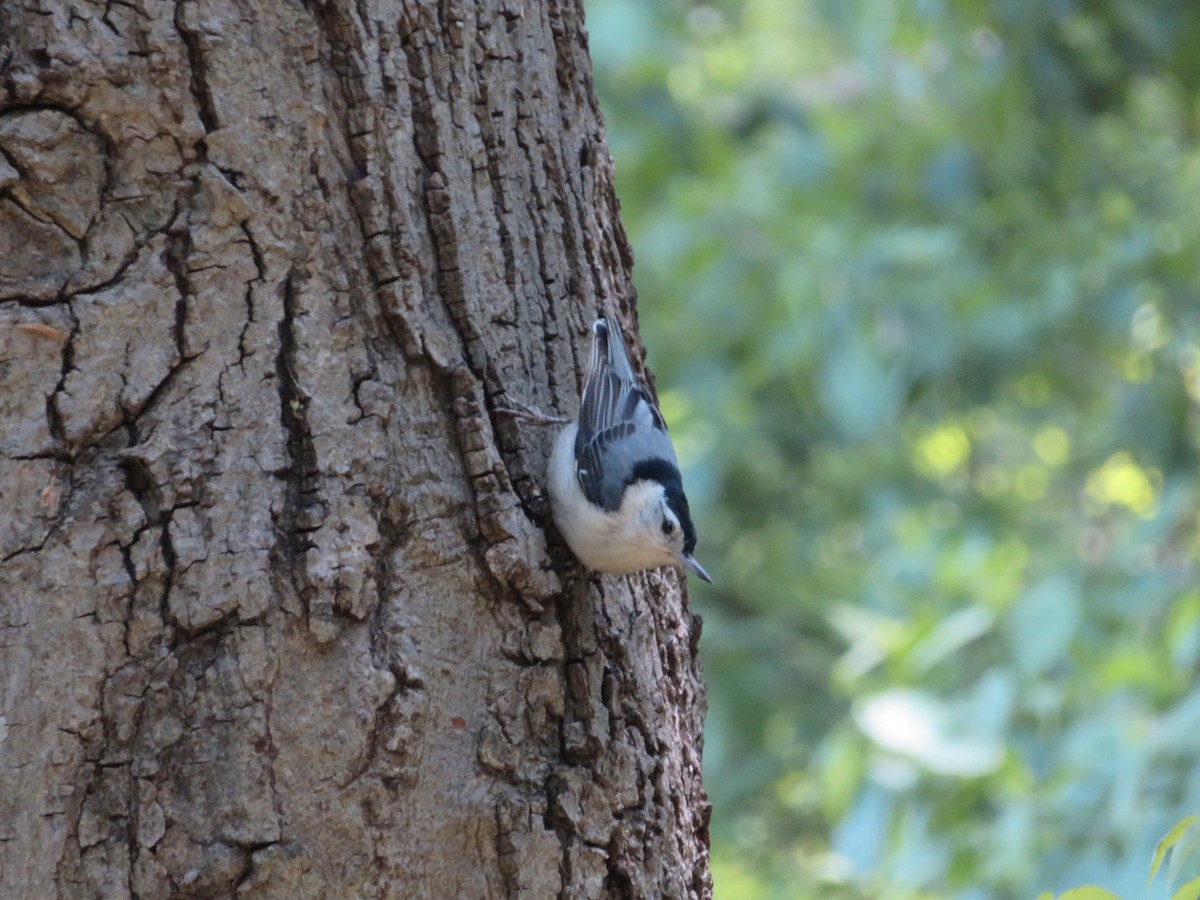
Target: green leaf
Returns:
[1169, 840]
[1189, 891]
[1088, 892]
[1184, 849]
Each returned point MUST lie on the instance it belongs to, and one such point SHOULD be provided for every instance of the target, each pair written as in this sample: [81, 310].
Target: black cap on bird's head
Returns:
[667, 474]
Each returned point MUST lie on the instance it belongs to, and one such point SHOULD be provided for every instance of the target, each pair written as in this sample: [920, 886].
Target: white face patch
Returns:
[644, 513]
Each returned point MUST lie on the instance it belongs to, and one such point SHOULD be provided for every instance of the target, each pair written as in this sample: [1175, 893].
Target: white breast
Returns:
[617, 542]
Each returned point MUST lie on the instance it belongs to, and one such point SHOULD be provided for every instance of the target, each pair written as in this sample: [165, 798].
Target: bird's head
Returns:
[663, 521]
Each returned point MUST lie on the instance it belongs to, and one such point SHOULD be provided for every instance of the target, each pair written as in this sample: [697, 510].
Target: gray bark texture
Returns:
[278, 613]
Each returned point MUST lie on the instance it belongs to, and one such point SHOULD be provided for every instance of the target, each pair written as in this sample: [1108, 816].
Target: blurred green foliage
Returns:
[921, 283]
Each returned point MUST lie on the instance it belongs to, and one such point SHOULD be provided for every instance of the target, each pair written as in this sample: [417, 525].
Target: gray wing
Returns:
[619, 425]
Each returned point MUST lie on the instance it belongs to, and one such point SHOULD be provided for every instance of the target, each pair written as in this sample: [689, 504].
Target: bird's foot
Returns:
[519, 410]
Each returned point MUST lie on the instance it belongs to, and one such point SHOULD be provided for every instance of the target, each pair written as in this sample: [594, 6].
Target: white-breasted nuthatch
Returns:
[615, 489]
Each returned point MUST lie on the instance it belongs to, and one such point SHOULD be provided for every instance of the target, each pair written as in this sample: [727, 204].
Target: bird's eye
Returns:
[668, 527]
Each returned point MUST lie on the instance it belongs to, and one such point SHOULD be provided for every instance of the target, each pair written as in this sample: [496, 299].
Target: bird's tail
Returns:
[608, 349]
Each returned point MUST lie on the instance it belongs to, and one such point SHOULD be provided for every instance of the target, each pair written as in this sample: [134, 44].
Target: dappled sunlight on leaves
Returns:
[1121, 482]
[920, 285]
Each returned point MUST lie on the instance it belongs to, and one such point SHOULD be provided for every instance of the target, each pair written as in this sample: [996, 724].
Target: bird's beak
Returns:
[691, 563]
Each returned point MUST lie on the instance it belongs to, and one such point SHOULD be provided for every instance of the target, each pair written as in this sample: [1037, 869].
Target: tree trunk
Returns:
[277, 614]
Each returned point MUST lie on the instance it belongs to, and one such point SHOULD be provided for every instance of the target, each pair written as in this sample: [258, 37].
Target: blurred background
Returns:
[920, 281]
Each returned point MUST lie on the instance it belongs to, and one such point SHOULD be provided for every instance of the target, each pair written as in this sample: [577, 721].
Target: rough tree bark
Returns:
[278, 617]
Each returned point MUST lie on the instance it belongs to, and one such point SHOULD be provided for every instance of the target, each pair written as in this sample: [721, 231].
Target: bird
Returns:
[616, 493]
